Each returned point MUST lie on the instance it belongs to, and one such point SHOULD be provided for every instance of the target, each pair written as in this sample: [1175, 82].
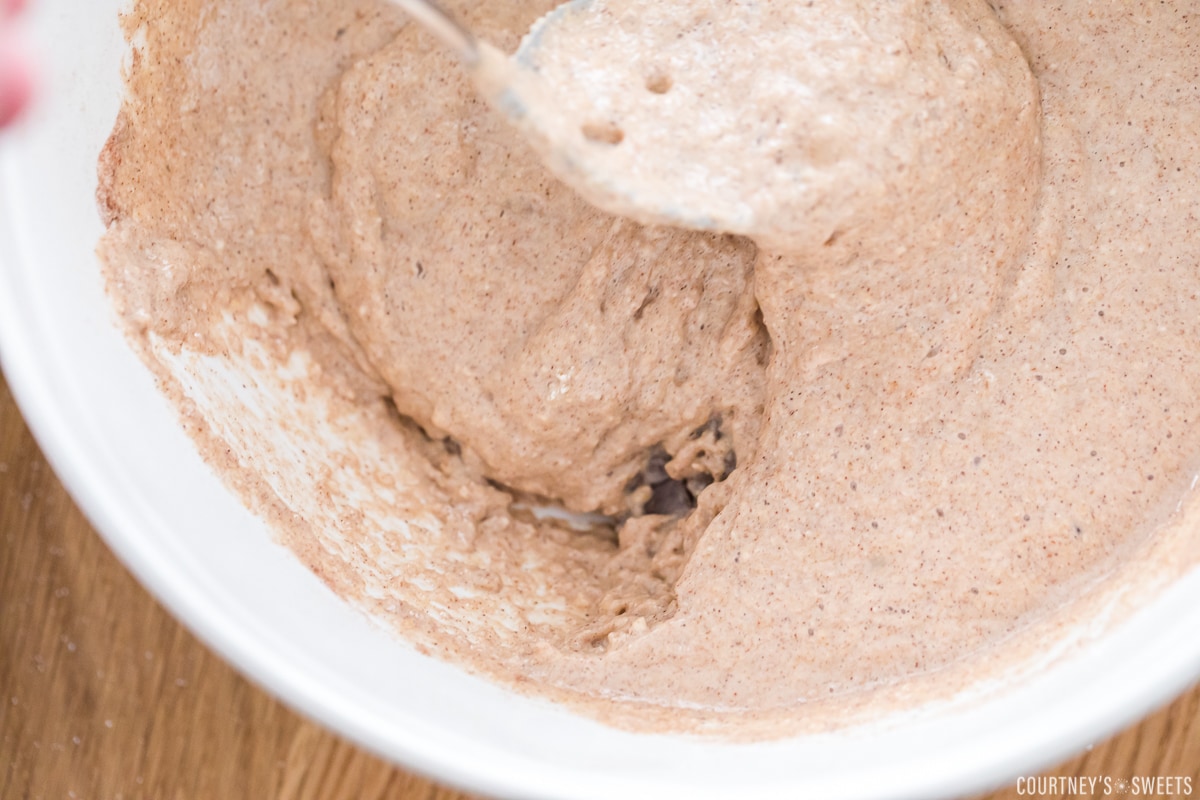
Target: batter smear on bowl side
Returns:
[924, 412]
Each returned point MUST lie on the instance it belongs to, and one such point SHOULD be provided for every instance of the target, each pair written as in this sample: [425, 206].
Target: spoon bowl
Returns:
[839, 113]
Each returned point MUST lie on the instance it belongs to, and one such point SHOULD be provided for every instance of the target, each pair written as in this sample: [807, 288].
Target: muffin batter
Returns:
[876, 453]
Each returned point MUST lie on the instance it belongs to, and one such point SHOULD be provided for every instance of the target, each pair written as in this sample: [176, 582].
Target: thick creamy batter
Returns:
[944, 413]
[791, 123]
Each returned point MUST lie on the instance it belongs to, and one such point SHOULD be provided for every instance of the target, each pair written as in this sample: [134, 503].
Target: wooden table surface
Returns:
[104, 696]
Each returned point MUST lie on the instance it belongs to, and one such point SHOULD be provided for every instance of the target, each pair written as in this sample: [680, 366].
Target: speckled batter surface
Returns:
[934, 425]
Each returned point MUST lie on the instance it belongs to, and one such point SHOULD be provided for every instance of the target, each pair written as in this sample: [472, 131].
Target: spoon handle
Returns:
[438, 21]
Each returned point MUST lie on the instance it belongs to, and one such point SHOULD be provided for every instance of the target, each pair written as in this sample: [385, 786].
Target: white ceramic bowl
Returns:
[118, 447]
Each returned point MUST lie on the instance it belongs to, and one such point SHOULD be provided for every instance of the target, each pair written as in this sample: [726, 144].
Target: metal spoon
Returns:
[438, 21]
[790, 123]
[572, 151]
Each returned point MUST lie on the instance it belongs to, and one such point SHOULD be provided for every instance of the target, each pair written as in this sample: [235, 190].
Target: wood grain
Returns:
[103, 695]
